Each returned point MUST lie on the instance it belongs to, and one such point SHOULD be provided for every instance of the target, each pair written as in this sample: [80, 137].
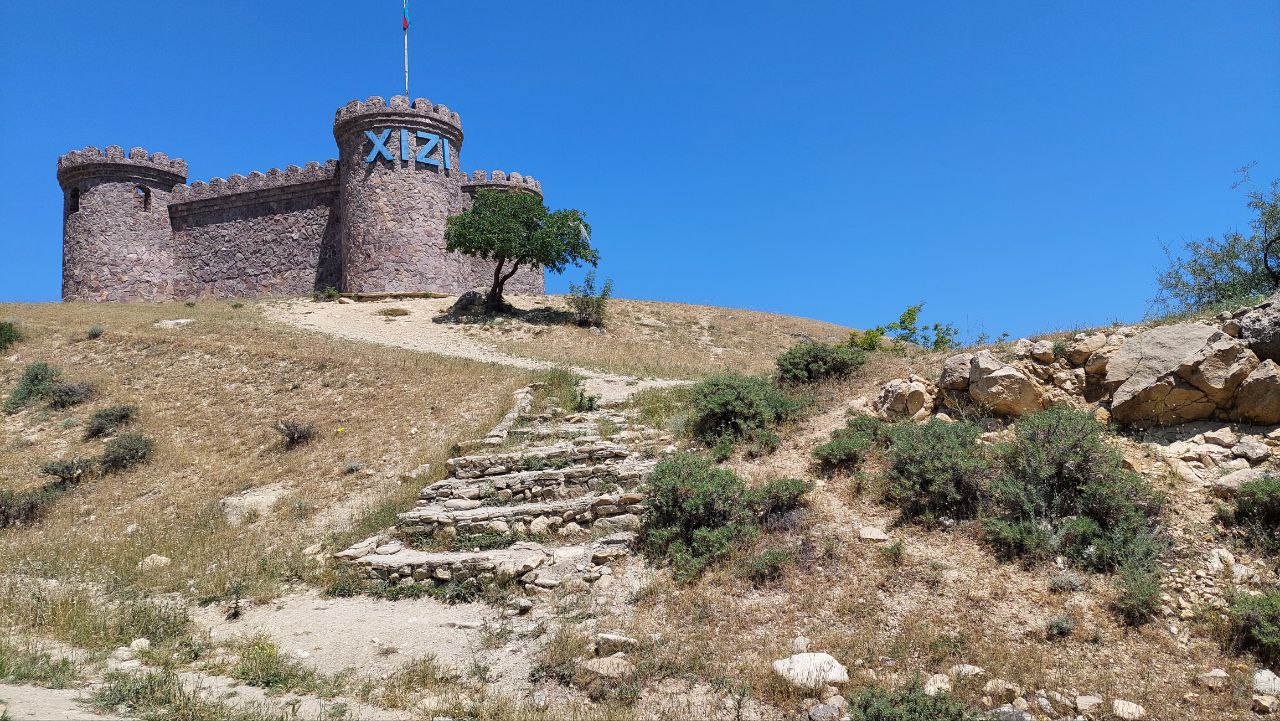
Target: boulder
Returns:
[937, 683]
[598, 669]
[1001, 388]
[1266, 682]
[1215, 680]
[955, 372]
[1098, 361]
[1084, 346]
[1260, 329]
[812, 671]
[1265, 704]
[1251, 449]
[1224, 437]
[899, 398]
[1042, 350]
[1219, 368]
[1127, 710]
[1228, 486]
[1143, 376]
[468, 303]
[1258, 399]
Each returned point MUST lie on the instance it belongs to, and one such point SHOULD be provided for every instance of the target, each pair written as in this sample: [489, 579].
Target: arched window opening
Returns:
[73, 202]
[144, 196]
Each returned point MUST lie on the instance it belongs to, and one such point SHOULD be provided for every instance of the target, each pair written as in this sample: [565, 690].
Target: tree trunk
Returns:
[495, 300]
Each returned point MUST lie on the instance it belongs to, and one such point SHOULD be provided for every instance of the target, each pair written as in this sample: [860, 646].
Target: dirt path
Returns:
[359, 321]
[47, 704]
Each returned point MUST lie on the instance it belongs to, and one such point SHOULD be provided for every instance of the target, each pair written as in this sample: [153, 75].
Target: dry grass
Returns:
[667, 340]
[209, 394]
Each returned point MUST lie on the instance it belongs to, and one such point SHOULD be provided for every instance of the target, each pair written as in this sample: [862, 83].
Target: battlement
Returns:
[398, 107]
[92, 161]
[313, 172]
[500, 180]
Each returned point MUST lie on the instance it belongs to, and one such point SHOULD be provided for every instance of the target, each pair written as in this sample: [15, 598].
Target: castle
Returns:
[372, 221]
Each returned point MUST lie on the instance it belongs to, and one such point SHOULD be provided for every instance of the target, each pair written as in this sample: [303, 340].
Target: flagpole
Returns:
[406, 50]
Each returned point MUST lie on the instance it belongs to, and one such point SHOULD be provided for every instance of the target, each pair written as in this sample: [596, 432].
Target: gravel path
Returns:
[359, 321]
[47, 704]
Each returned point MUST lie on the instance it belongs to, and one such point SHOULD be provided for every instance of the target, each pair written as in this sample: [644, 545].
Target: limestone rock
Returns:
[1084, 346]
[1258, 399]
[1224, 437]
[1127, 710]
[1228, 486]
[153, 562]
[955, 372]
[1000, 387]
[873, 534]
[1099, 360]
[811, 670]
[1260, 328]
[1042, 350]
[175, 323]
[937, 683]
[1142, 376]
[608, 667]
[965, 670]
[1266, 682]
[1088, 704]
[824, 712]
[899, 398]
[1252, 450]
[1219, 368]
[1217, 679]
[608, 644]
[1265, 704]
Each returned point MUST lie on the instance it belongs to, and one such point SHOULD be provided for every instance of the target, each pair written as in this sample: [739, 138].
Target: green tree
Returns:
[515, 230]
[1229, 269]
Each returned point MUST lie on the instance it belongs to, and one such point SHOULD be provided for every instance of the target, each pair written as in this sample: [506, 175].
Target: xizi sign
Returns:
[428, 143]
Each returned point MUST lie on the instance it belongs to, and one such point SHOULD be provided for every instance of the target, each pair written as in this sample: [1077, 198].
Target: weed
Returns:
[895, 554]
[33, 385]
[812, 362]
[262, 664]
[328, 295]
[558, 659]
[295, 433]
[1066, 583]
[1255, 625]
[1257, 512]
[160, 696]
[95, 332]
[1139, 594]
[767, 566]
[1061, 626]
[29, 665]
[126, 451]
[106, 421]
[393, 312]
[9, 334]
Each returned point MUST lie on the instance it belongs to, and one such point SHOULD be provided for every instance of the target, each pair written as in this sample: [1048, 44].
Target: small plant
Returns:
[868, 340]
[734, 406]
[1061, 626]
[1139, 594]
[64, 394]
[1255, 625]
[295, 433]
[106, 421]
[589, 306]
[1258, 512]
[874, 703]
[558, 659]
[33, 385]
[1066, 583]
[936, 469]
[352, 467]
[812, 362]
[190, 304]
[393, 312]
[30, 665]
[584, 403]
[262, 664]
[767, 566]
[125, 452]
[95, 332]
[237, 305]
[328, 295]
[9, 334]
[907, 329]
[70, 472]
[1059, 349]
[895, 554]
[848, 446]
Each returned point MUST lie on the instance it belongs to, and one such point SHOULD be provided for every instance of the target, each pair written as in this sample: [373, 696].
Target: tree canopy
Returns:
[516, 230]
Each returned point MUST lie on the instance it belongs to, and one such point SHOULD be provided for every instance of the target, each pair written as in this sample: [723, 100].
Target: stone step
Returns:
[609, 476]
[611, 512]
[560, 455]
[531, 566]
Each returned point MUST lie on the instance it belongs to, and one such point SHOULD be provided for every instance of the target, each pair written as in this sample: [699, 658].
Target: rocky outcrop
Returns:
[1001, 388]
[1258, 400]
[1259, 327]
[911, 398]
[1143, 377]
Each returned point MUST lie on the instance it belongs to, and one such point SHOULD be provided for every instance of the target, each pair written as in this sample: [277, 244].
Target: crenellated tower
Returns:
[117, 243]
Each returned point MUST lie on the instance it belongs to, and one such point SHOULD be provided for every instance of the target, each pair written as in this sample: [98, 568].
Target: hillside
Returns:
[513, 583]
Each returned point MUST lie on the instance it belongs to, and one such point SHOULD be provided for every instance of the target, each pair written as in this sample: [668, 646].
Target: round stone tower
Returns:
[116, 238]
[398, 180]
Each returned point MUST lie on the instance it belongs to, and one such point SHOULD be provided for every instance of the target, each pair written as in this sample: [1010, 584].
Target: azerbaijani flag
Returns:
[406, 15]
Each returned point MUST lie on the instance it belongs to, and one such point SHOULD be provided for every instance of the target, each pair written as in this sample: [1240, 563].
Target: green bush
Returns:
[698, 512]
[811, 362]
[590, 307]
[64, 394]
[9, 334]
[126, 451]
[936, 469]
[1258, 512]
[107, 421]
[767, 566]
[1063, 489]
[905, 704]
[68, 472]
[95, 332]
[1139, 594]
[33, 385]
[733, 407]
[1255, 625]
[849, 445]
[295, 433]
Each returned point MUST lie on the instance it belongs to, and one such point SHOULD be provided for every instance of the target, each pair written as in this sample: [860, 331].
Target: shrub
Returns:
[732, 406]
[936, 469]
[589, 306]
[811, 362]
[295, 433]
[125, 452]
[907, 329]
[1063, 489]
[95, 332]
[777, 496]
[1139, 597]
[262, 664]
[905, 704]
[33, 385]
[1258, 511]
[64, 394]
[768, 565]
[17, 507]
[868, 340]
[393, 312]
[68, 472]
[1255, 625]
[106, 421]
[559, 657]
[696, 512]
[849, 445]
[9, 334]
[328, 295]
[1061, 626]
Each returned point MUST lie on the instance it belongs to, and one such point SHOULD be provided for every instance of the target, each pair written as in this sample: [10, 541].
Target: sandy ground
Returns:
[417, 331]
[46, 704]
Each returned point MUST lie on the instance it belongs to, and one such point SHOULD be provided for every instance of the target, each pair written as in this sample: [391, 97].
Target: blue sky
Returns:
[1015, 165]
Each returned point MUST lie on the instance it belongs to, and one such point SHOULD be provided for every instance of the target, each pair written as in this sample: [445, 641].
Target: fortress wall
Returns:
[265, 235]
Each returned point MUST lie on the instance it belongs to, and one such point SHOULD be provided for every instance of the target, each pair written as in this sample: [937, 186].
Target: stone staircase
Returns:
[565, 499]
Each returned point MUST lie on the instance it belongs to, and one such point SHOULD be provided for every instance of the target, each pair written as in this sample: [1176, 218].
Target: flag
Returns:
[406, 15]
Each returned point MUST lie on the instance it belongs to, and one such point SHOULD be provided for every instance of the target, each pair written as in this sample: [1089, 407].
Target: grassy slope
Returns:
[209, 394]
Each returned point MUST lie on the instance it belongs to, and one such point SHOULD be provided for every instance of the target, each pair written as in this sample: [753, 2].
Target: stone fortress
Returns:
[372, 221]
